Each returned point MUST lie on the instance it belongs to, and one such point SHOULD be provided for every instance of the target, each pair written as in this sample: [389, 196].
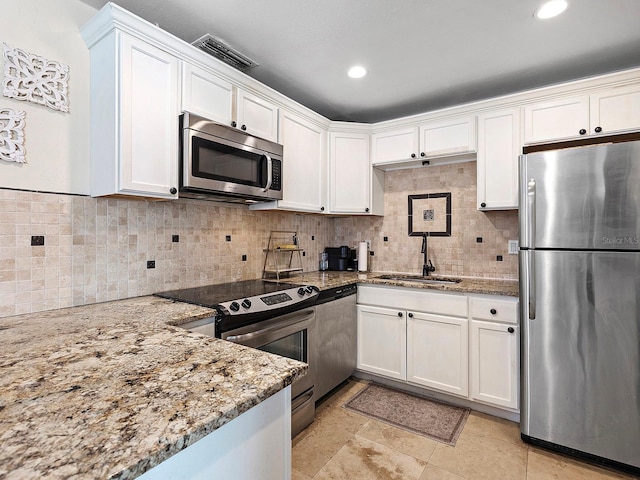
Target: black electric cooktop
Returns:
[212, 295]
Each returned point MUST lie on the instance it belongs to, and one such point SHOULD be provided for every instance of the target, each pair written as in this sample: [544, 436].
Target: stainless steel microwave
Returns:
[223, 163]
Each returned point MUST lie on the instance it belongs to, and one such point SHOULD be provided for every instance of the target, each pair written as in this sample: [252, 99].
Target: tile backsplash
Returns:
[98, 249]
[460, 254]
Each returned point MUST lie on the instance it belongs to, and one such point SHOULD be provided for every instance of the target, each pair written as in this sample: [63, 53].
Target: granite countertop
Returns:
[110, 390]
[330, 279]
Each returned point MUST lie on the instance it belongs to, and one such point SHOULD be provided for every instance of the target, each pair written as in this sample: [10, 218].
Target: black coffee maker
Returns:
[342, 258]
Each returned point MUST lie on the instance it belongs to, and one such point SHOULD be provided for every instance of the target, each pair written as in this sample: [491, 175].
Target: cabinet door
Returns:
[615, 109]
[437, 352]
[556, 119]
[304, 158]
[149, 119]
[382, 341]
[206, 94]
[448, 137]
[495, 363]
[394, 146]
[498, 150]
[257, 116]
[349, 173]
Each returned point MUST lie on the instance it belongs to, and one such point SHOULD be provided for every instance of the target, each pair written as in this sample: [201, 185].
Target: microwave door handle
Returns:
[269, 173]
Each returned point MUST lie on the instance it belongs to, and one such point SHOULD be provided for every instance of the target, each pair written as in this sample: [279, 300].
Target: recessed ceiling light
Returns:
[550, 9]
[357, 72]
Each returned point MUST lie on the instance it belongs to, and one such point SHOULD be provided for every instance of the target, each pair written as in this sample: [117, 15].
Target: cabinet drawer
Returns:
[414, 300]
[505, 308]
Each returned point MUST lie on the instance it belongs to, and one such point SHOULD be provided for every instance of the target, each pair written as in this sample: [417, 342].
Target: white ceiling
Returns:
[421, 54]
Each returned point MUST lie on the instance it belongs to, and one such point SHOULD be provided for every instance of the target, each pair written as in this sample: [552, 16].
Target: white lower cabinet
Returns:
[382, 341]
[495, 351]
[437, 352]
[464, 345]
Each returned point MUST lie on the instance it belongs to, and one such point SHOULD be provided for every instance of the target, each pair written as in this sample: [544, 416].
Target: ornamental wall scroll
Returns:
[12, 135]
[35, 79]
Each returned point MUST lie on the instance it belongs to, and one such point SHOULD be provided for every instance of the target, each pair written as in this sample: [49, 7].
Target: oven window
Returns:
[291, 346]
[227, 164]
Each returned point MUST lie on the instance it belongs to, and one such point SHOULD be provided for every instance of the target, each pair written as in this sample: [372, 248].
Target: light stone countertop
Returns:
[110, 390]
[330, 279]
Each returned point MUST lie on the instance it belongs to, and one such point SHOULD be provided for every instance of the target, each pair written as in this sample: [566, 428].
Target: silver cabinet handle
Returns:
[269, 174]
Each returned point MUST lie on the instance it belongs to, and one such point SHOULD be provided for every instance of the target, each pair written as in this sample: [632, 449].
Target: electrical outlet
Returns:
[513, 247]
[369, 244]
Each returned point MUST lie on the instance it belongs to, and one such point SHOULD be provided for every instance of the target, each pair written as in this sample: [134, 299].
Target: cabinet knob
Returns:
[400, 314]
[243, 127]
[493, 311]
[422, 154]
[322, 209]
[582, 131]
[413, 155]
[510, 330]
[598, 129]
[410, 315]
[234, 124]
[173, 190]
[366, 209]
[483, 204]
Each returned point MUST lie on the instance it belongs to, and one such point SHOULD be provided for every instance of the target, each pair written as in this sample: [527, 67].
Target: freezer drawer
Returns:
[581, 351]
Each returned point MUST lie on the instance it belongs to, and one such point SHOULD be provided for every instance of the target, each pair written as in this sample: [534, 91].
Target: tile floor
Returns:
[341, 444]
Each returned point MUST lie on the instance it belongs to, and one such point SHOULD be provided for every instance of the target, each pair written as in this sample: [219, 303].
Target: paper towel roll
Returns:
[362, 256]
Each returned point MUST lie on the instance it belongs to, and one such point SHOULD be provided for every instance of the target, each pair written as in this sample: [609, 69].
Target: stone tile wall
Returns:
[459, 254]
[97, 249]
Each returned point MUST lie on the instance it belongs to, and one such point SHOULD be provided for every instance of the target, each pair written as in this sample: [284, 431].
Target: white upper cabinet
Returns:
[410, 145]
[616, 109]
[303, 166]
[256, 115]
[210, 96]
[206, 94]
[556, 119]
[448, 137]
[395, 145]
[609, 111]
[350, 173]
[134, 118]
[498, 151]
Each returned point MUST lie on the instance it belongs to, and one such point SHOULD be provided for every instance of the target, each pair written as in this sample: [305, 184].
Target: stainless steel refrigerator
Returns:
[580, 301]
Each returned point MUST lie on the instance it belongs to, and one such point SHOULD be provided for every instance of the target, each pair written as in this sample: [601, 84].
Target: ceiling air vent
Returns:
[217, 48]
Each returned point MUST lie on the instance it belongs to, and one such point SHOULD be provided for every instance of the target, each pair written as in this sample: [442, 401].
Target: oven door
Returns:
[288, 336]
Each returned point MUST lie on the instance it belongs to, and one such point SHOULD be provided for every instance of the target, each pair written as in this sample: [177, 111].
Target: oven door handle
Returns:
[289, 325]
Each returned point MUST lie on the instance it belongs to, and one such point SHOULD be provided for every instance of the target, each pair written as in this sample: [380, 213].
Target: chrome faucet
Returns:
[427, 266]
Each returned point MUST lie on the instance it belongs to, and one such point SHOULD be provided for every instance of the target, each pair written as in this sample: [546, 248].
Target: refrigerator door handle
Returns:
[531, 201]
[531, 280]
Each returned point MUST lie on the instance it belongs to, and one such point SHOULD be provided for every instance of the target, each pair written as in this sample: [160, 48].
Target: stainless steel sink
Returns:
[424, 280]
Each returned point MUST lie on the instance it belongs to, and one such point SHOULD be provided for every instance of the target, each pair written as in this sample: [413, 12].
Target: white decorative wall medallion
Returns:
[35, 79]
[12, 135]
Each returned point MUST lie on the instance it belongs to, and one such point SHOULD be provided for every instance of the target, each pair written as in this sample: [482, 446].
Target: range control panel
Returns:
[274, 301]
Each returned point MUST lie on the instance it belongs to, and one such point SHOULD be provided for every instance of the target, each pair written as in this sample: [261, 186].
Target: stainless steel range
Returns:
[273, 317]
